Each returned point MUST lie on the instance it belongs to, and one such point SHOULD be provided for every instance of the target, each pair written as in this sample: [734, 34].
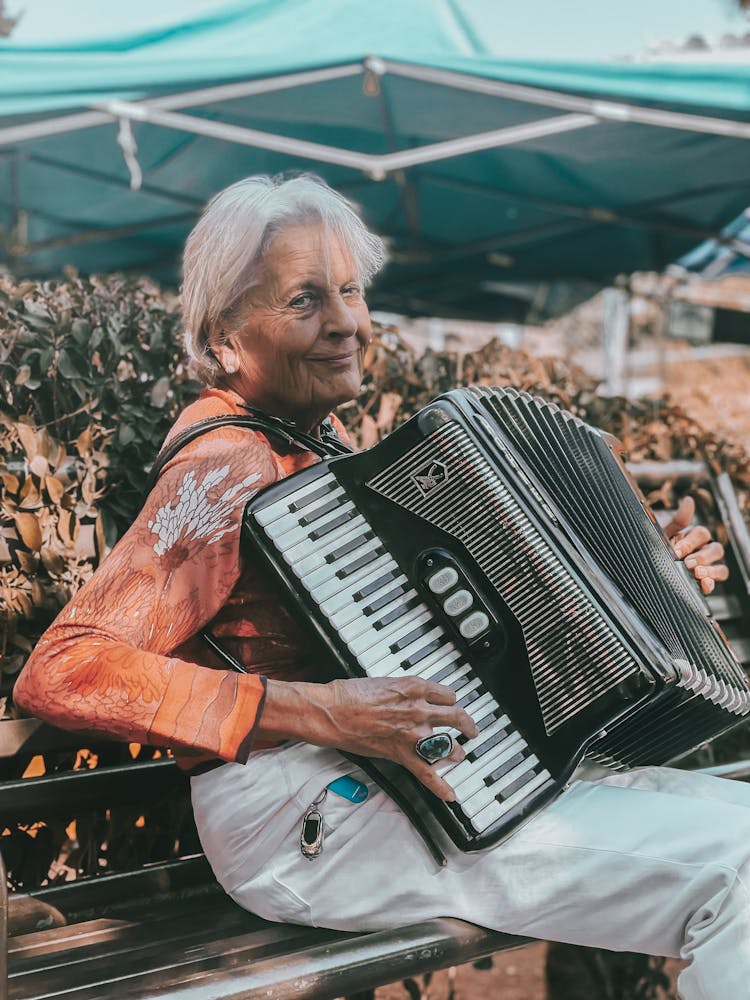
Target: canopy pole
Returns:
[251, 88]
[408, 195]
[190, 98]
[239, 135]
[377, 167]
[509, 136]
[617, 111]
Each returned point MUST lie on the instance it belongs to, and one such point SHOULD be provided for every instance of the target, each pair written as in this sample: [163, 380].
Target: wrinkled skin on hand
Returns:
[701, 554]
[370, 716]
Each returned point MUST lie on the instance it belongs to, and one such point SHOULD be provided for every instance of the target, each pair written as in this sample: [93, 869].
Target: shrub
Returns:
[91, 378]
[95, 361]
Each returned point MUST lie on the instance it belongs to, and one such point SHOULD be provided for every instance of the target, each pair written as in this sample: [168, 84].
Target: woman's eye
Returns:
[302, 301]
[352, 291]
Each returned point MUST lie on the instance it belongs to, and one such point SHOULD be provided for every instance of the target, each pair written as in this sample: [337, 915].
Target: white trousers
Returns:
[654, 861]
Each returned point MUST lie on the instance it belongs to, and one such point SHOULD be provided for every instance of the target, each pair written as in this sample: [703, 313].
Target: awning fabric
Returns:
[482, 173]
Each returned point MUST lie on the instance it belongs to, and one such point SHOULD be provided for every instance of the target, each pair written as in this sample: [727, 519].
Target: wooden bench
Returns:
[153, 923]
[164, 928]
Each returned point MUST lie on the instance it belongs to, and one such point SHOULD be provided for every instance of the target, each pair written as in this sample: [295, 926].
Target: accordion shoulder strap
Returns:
[326, 446]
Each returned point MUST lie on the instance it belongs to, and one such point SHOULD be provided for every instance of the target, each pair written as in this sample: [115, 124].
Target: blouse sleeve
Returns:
[104, 665]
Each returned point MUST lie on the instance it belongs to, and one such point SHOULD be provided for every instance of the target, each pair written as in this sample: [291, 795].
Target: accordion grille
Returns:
[574, 655]
[579, 472]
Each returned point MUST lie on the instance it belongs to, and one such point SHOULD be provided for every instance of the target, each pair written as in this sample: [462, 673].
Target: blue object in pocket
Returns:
[349, 788]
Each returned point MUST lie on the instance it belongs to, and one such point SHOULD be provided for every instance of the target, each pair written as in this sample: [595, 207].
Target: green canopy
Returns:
[483, 173]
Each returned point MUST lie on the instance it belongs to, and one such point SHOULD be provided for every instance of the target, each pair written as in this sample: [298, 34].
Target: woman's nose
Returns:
[340, 319]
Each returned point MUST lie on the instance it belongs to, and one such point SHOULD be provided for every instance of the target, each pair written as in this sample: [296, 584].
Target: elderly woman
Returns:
[652, 861]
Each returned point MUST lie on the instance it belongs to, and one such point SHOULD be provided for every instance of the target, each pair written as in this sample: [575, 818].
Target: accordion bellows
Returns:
[495, 543]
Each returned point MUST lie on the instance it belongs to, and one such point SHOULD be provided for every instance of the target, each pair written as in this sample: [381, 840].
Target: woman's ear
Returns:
[224, 352]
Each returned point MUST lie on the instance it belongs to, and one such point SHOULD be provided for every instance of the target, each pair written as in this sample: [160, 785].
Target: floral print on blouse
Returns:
[123, 658]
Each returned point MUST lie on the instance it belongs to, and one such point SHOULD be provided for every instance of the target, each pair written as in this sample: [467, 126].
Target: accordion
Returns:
[495, 543]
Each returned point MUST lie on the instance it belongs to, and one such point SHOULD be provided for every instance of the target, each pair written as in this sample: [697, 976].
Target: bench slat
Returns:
[111, 957]
[62, 792]
[121, 893]
[105, 947]
[32, 736]
[316, 963]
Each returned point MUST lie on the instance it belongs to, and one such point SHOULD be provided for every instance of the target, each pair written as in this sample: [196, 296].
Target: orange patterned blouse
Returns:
[123, 657]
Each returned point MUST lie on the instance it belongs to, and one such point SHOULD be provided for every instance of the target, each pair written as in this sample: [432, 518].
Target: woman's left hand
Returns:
[702, 555]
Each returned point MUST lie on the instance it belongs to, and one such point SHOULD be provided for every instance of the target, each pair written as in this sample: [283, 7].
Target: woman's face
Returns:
[300, 351]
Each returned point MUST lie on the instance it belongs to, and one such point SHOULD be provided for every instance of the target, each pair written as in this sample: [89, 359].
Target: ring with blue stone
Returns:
[434, 748]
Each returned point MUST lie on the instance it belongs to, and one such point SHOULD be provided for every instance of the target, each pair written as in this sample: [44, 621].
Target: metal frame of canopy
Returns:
[572, 113]
[583, 112]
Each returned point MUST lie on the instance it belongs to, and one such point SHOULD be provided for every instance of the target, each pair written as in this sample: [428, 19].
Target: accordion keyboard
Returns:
[332, 550]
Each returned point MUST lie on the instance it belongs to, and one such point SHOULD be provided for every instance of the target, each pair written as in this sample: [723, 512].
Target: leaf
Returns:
[83, 442]
[368, 432]
[21, 602]
[55, 489]
[65, 365]
[66, 527]
[125, 371]
[27, 526]
[10, 482]
[30, 498]
[160, 392]
[57, 454]
[22, 375]
[390, 404]
[88, 488]
[27, 437]
[38, 600]
[99, 539]
[39, 466]
[125, 435]
[36, 309]
[80, 330]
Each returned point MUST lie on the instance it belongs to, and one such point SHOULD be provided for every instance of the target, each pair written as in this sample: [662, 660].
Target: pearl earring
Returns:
[230, 369]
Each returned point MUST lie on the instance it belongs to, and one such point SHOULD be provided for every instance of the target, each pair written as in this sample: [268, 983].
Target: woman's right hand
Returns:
[369, 716]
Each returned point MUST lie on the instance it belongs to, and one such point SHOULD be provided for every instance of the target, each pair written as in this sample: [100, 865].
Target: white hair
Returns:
[224, 252]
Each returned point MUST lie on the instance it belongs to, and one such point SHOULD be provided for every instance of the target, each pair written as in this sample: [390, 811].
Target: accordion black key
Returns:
[495, 543]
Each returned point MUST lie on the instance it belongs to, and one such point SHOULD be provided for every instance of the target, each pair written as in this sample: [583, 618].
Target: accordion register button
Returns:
[443, 580]
[474, 624]
[457, 603]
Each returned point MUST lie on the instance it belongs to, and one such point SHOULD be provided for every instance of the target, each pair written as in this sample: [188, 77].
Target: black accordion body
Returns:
[496, 544]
